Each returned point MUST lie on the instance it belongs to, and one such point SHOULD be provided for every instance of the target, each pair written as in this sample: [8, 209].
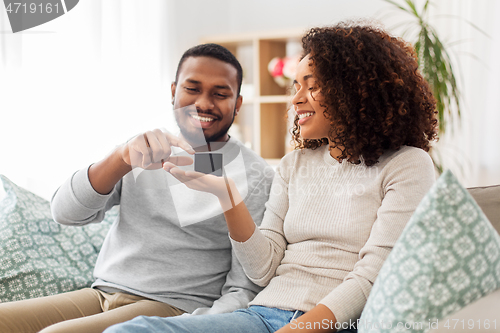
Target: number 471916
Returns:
[18, 7]
[470, 324]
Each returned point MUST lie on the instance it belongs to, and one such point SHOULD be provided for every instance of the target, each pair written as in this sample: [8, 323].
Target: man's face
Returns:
[205, 99]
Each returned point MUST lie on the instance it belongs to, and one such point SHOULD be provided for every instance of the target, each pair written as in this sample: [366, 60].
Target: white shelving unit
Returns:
[263, 119]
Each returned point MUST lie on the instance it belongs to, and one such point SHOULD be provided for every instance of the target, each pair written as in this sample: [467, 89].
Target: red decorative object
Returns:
[283, 69]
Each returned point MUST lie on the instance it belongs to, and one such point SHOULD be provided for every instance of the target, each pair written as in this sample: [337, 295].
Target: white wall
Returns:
[74, 88]
[197, 19]
[472, 153]
[475, 146]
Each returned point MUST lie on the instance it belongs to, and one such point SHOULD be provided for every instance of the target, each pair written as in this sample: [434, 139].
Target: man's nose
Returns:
[204, 103]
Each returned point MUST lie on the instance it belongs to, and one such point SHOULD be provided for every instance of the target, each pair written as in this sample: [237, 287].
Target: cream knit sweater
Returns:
[329, 226]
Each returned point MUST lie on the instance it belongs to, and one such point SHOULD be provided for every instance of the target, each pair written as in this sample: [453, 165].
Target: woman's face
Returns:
[306, 103]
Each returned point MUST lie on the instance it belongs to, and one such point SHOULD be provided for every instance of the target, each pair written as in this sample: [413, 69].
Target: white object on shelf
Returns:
[247, 91]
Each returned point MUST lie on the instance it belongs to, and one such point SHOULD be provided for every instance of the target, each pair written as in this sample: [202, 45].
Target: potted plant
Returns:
[435, 65]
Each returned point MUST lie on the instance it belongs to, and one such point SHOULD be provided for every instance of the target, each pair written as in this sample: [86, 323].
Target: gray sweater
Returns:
[329, 226]
[170, 243]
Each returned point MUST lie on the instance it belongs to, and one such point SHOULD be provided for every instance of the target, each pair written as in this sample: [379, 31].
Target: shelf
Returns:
[262, 122]
[273, 127]
[240, 38]
[275, 99]
[268, 99]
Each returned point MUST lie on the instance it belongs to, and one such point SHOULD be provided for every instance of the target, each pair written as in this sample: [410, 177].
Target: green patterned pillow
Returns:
[39, 257]
[447, 257]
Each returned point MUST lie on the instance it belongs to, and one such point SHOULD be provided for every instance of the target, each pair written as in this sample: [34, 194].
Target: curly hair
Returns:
[374, 95]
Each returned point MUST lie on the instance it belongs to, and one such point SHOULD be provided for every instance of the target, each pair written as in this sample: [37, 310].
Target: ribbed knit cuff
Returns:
[85, 193]
[346, 301]
[253, 253]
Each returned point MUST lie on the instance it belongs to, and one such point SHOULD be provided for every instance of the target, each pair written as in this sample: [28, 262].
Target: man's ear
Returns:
[237, 107]
[173, 86]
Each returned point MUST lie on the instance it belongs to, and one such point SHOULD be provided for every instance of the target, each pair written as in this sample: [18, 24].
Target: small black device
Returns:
[209, 163]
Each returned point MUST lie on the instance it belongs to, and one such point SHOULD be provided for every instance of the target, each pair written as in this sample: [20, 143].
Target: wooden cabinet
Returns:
[262, 122]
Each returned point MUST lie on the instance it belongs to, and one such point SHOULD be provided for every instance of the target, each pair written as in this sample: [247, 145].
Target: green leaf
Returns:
[413, 8]
[425, 7]
[400, 7]
[435, 64]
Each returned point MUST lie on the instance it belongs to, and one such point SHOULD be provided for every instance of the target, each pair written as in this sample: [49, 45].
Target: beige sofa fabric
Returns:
[488, 198]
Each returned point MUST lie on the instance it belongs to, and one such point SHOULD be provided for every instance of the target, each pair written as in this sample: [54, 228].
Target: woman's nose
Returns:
[298, 98]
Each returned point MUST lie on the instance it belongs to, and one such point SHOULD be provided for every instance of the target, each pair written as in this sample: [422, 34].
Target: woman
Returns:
[364, 121]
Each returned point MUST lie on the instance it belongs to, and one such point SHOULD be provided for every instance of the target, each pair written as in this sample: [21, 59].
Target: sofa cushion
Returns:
[488, 198]
[447, 256]
[39, 257]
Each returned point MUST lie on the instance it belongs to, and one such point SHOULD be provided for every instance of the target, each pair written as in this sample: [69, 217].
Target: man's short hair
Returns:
[215, 51]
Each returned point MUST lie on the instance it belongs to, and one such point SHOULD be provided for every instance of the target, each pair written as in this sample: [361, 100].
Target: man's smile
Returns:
[202, 120]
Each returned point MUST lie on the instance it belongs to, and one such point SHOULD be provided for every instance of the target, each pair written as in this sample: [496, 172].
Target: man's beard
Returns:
[198, 138]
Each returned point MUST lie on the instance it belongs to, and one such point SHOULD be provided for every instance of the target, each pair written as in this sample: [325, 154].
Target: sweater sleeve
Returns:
[408, 178]
[262, 253]
[238, 290]
[77, 203]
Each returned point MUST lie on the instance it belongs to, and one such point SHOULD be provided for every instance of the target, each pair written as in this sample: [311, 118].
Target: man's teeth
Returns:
[306, 114]
[203, 119]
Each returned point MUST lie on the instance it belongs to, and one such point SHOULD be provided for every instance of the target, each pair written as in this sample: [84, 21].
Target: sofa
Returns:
[488, 307]
[39, 257]
[443, 273]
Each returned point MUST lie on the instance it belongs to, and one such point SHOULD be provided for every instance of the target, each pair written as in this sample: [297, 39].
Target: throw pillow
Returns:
[39, 257]
[447, 257]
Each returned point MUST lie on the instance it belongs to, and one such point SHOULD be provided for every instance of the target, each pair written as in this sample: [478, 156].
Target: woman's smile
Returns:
[304, 116]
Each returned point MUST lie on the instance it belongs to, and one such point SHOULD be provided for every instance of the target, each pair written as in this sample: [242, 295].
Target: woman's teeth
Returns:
[306, 114]
[203, 119]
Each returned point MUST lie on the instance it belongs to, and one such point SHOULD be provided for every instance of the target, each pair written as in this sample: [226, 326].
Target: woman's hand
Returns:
[223, 188]
[319, 319]
[199, 181]
[239, 221]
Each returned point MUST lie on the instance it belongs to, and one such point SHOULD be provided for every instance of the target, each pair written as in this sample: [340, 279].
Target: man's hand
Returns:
[146, 150]
[151, 149]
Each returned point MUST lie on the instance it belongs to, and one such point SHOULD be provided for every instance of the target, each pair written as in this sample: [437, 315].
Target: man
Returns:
[168, 253]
